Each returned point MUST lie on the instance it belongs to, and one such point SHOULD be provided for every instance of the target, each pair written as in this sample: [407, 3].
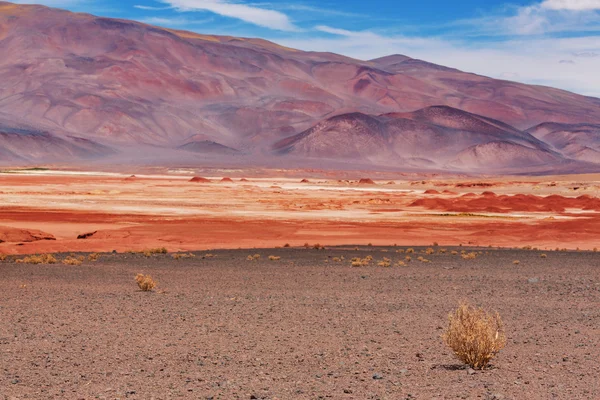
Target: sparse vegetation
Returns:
[286, 245]
[410, 250]
[35, 259]
[145, 282]
[274, 258]
[401, 264]
[2, 256]
[158, 250]
[474, 335]
[72, 260]
[386, 262]
[516, 262]
[253, 257]
[429, 251]
[469, 256]
[93, 257]
[178, 256]
[543, 255]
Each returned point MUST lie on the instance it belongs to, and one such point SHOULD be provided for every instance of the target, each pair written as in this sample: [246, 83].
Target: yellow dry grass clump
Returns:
[35, 259]
[516, 262]
[543, 255]
[2, 256]
[429, 251]
[93, 257]
[145, 282]
[72, 260]
[178, 256]
[158, 250]
[474, 335]
[423, 259]
[386, 262]
[253, 258]
[469, 256]
[274, 258]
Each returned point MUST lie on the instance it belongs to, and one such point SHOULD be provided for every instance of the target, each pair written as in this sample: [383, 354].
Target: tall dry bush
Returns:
[474, 335]
[145, 282]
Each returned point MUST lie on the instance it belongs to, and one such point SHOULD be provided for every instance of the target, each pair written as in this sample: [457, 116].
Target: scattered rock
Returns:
[377, 376]
[16, 235]
[470, 371]
[533, 280]
[199, 179]
[86, 235]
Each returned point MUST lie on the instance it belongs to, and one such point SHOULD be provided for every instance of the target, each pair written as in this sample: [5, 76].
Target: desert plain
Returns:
[46, 211]
[304, 323]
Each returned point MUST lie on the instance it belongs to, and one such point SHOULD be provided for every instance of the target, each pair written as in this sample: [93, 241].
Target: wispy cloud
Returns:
[578, 5]
[263, 17]
[150, 8]
[172, 22]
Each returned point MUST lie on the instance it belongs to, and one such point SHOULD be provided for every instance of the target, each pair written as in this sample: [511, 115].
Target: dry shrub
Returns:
[274, 258]
[208, 255]
[527, 247]
[474, 335]
[286, 245]
[410, 250]
[93, 257]
[595, 250]
[423, 259]
[361, 262]
[469, 256]
[145, 282]
[35, 259]
[543, 255]
[178, 256]
[408, 258]
[435, 244]
[336, 259]
[401, 251]
[429, 251]
[386, 262]
[401, 264]
[158, 250]
[253, 257]
[516, 262]
[70, 260]
[454, 252]
[2, 256]
[442, 251]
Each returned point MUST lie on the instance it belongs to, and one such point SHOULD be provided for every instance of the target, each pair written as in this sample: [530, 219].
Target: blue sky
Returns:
[548, 42]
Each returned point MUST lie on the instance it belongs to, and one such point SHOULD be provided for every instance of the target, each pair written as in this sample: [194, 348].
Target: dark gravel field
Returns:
[306, 326]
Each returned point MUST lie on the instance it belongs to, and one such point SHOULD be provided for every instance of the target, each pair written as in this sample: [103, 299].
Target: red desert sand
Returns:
[156, 211]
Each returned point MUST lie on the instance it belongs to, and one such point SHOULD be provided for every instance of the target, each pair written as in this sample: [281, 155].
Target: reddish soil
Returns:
[302, 327]
[226, 179]
[167, 211]
[199, 179]
[15, 235]
[366, 181]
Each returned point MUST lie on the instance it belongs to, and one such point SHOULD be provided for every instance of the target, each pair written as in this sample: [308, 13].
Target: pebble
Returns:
[377, 376]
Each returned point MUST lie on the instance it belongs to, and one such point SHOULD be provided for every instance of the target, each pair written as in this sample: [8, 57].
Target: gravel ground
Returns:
[224, 327]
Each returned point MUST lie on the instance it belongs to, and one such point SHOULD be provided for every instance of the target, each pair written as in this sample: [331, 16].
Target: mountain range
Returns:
[76, 89]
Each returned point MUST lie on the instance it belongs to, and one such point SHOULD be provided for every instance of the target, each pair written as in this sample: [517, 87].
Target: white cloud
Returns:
[255, 15]
[151, 8]
[578, 5]
[170, 22]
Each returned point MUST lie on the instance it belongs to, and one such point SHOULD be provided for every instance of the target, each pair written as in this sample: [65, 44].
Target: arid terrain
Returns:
[306, 326]
[46, 211]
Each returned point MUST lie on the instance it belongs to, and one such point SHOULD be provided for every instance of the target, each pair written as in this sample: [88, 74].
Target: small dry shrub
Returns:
[274, 258]
[543, 255]
[401, 251]
[178, 256]
[336, 259]
[442, 251]
[253, 257]
[454, 252]
[474, 335]
[516, 262]
[401, 264]
[469, 256]
[70, 260]
[2, 256]
[145, 282]
[386, 262]
[35, 259]
[410, 250]
[158, 250]
[595, 250]
[527, 247]
[286, 245]
[408, 258]
[429, 251]
[208, 255]
[423, 259]
[93, 257]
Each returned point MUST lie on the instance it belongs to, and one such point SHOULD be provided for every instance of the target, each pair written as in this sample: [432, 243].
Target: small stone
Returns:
[533, 280]
[470, 371]
[347, 391]
[377, 376]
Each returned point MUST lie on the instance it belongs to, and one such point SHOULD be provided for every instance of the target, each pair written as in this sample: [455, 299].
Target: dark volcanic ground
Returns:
[296, 328]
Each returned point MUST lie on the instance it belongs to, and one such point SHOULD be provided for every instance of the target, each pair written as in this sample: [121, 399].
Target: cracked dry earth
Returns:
[224, 327]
